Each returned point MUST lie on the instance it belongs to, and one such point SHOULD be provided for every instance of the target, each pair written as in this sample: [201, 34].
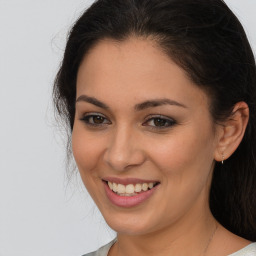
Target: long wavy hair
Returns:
[205, 39]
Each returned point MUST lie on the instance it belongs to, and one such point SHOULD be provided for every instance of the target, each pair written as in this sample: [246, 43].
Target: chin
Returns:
[130, 224]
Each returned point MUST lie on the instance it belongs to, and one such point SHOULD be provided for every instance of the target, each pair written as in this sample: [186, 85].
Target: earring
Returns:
[222, 159]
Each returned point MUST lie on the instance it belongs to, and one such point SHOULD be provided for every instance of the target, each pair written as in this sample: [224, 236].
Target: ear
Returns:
[231, 132]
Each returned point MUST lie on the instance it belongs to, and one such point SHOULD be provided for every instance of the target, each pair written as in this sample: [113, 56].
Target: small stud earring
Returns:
[222, 159]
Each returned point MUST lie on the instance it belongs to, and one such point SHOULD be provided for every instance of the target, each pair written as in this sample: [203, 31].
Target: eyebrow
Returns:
[92, 100]
[156, 103]
[138, 107]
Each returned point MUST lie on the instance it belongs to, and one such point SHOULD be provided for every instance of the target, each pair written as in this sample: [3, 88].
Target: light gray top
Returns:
[103, 251]
[249, 250]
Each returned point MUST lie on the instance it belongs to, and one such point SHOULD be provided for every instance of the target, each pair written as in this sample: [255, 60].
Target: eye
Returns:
[95, 119]
[159, 122]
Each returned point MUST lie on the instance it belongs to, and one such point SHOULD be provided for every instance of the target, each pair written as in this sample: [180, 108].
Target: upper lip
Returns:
[127, 181]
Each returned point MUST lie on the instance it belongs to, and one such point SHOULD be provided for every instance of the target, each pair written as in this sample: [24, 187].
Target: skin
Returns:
[128, 143]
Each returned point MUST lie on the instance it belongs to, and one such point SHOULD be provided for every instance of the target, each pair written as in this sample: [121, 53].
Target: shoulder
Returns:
[249, 250]
[102, 251]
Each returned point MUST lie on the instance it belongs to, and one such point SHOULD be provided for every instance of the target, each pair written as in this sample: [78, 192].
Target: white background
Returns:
[39, 213]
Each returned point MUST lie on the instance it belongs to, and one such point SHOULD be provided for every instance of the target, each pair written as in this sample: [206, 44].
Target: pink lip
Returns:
[128, 181]
[128, 201]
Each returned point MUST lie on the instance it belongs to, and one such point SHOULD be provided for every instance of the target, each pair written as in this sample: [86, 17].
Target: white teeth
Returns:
[114, 187]
[151, 185]
[129, 190]
[127, 194]
[120, 188]
[144, 186]
[137, 188]
[110, 185]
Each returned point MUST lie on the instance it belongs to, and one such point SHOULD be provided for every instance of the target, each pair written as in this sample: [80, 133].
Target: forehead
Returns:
[135, 69]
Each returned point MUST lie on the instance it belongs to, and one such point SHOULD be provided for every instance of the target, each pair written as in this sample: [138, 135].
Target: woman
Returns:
[160, 98]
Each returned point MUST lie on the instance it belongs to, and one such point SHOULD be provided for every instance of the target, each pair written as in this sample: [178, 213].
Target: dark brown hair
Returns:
[204, 38]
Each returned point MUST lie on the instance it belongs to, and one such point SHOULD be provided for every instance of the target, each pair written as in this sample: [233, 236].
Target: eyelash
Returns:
[86, 119]
[168, 122]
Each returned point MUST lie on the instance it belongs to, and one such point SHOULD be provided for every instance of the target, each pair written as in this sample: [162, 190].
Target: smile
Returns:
[129, 193]
[130, 189]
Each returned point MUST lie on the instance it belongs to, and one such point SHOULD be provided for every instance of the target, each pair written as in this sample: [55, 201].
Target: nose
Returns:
[124, 150]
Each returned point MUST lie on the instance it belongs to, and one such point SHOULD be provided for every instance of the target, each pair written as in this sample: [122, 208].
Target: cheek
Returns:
[185, 162]
[86, 150]
[185, 156]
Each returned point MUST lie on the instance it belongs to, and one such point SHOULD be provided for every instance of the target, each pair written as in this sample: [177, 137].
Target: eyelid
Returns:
[170, 121]
[93, 114]
[151, 117]
[158, 116]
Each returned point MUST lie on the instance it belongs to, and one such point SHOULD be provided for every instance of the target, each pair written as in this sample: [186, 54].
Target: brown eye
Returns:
[98, 119]
[95, 120]
[159, 122]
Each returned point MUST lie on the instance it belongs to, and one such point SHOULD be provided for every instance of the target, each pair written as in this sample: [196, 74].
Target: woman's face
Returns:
[140, 122]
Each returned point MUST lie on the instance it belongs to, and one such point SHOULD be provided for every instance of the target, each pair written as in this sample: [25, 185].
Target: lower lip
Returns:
[128, 201]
